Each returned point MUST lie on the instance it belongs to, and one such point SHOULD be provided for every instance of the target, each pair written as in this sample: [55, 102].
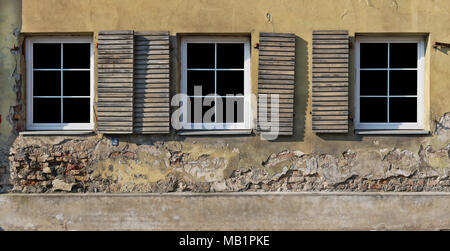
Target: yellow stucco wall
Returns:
[301, 17]
[9, 22]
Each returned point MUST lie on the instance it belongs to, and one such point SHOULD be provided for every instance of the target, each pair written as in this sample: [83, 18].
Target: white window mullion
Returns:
[215, 83]
[62, 84]
[419, 97]
[388, 78]
[184, 82]
[30, 42]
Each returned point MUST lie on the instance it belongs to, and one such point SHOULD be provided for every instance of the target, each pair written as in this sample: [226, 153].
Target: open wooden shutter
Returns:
[151, 82]
[276, 76]
[330, 82]
[115, 82]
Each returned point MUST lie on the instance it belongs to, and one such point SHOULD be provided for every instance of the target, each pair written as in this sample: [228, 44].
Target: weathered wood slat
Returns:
[151, 130]
[151, 76]
[330, 36]
[276, 76]
[152, 119]
[115, 82]
[115, 61]
[150, 42]
[276, 63]
[115, 56]
[330, 108]
[145, 104]
[329, 50]
[276, 48]
[114, 109]
[116, 51]
[277, 53]
[329, 113]
[115, 66]
[329, 103]
[276, 39]
[277, 44]
[276, 81]
[329, 60]
[330, 122]
[330, 79]
[269, 86]
[329, 89]
[276, 58]
[276, 72]
[330, 70]
[275, 67]
[151, 80]
[109, 70]
[115, 46]
[151, 95]
[114, 37]
[114, 114]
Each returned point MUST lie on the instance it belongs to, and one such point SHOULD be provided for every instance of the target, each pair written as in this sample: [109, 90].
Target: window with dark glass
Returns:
[218, 68]
[388, 82]
[60, 85]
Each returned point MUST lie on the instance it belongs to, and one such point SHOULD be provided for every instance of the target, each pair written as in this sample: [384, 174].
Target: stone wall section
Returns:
[92, 164]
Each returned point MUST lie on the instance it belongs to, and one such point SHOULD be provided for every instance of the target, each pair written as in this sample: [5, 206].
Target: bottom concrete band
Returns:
[226, 211]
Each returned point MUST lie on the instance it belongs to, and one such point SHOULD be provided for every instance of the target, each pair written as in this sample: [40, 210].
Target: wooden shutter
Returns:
[330, 81]
[115, 82]
[151, 82]
[276, 76]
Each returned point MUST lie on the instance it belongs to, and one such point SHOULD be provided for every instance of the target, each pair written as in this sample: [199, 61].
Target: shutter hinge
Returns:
[440, 45]
[350, 44]
[256, 46]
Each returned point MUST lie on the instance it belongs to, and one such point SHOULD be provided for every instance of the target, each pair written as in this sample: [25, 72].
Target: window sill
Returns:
[55, 133]
[214, 132]
[392, 132]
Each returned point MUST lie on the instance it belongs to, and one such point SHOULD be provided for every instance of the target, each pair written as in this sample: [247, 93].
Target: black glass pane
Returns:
[199, 110]
[403, 55]
[230, 55]
[403, 83]
[200, 55]
[230, 82]
[373, 82]
[76, 110]
[46, 83]
[233, 110]
[373, 110]
[76, 56]
[374, 55]
[46, 56]
[402, 110]
[46, 110]
[76, 83]
[205, 79]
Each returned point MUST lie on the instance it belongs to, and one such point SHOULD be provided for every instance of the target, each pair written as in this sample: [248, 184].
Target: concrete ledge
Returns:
[226, 211]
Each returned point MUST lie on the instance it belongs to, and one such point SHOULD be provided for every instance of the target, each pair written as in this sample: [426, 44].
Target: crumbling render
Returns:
[91, 164]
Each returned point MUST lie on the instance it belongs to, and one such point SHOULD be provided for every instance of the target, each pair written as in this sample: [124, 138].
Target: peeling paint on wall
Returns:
[10, 81]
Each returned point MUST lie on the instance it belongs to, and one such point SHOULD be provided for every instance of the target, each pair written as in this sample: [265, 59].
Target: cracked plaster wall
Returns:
[10, 81]
[303, 162]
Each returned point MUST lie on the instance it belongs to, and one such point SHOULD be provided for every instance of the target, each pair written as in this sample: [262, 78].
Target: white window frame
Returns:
[29, 64]
[247, 124]
[420, 83]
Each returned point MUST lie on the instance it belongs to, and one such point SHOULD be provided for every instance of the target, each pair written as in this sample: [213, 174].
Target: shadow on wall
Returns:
[442, 49]
[301, 92]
